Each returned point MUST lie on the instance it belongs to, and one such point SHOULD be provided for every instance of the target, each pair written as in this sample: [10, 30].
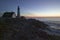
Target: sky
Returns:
[32, 8]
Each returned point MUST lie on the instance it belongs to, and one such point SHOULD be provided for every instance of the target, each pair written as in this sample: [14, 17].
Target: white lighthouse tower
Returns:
[18, 12]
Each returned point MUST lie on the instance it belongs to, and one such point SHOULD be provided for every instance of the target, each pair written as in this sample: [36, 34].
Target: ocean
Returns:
[48, 19]
[54, 25]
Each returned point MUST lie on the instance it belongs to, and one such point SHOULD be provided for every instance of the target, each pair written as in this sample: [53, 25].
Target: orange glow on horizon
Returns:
[40, 16]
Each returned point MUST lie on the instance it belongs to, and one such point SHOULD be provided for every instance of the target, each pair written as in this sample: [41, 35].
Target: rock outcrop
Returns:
[22, 29]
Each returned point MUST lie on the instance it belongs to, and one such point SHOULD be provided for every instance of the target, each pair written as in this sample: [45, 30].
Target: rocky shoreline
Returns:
[22, 29]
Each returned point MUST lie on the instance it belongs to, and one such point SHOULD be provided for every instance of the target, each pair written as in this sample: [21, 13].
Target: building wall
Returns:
[14, 15]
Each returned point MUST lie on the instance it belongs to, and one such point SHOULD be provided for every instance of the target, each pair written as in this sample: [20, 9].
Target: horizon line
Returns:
[43, 17]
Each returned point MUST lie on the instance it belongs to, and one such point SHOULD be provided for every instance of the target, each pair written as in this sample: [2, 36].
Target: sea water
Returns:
[54, 25]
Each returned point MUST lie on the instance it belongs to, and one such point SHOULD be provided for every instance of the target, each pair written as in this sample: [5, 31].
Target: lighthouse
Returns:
[18, 12]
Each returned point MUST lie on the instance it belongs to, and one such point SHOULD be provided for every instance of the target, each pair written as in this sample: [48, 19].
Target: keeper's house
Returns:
[9, 15]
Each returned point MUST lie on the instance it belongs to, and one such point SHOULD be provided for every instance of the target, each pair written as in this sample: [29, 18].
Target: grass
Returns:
[54, 37]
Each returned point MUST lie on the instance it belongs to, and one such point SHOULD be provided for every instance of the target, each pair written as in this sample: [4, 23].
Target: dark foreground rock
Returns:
[22, 29]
